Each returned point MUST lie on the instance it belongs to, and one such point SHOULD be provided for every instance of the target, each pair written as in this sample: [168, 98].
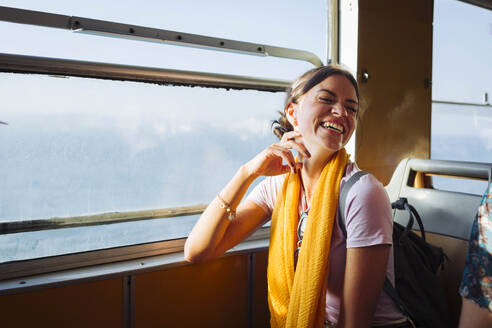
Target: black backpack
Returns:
[418, 292]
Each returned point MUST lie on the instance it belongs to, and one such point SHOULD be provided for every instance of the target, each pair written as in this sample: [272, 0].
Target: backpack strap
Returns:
[413, 215]
[343, 199]
[393, 294]
[401, 203]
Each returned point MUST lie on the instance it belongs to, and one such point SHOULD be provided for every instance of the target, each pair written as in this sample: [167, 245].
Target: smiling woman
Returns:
[320, 281]
[308, 114]
[306, 82]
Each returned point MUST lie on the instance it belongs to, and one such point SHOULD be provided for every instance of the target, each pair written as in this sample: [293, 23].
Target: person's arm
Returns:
[365, 272]
[473, 316]
[206, 240]
[369, 236]
[214, 234]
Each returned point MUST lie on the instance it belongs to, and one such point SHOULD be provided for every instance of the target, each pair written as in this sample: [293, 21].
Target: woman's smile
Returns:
[333, 126]
[326, 115]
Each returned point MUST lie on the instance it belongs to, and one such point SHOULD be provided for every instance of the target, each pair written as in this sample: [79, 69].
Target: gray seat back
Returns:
[443, 212]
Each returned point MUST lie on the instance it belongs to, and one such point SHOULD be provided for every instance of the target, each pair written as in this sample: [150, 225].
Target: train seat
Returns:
[447, 216]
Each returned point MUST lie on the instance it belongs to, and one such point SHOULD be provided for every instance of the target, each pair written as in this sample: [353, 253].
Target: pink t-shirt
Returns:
[368, 222]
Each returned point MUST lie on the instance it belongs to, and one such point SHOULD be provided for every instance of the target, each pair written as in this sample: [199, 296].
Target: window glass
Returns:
[76, 146]
[38, 244]
[282, 23]
[461, 73]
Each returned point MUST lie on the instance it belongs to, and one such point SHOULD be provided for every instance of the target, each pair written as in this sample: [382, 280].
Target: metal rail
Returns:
[461, 103]
[116, 261]
[65, 67]
[15, 226]
[333, 31]
[481, 171]
[112, 29]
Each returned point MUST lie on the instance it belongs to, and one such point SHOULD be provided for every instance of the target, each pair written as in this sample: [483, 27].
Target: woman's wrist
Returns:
[247, 173]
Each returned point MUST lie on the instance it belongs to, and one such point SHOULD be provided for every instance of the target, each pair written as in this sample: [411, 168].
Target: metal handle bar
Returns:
[454, 168]
[113, 29]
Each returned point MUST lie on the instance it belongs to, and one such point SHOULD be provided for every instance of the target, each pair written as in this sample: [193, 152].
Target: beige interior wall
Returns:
[93, 304]
[395, 47]
[261, 314]
[211, 294]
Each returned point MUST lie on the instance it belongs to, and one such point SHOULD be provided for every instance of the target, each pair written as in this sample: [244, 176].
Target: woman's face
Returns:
[326, 115]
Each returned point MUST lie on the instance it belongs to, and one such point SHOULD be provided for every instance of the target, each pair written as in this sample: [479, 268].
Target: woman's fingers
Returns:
[299, 146]
[285, 154]
[293, 140]
[291, 135]
[271, 160]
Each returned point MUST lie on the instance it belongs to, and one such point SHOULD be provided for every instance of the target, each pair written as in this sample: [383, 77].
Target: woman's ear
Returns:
[290, 112]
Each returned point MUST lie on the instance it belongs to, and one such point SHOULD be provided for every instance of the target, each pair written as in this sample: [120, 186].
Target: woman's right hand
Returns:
[270, 161]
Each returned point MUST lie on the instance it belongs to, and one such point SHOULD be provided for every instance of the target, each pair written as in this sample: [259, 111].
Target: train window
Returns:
[458, 184]
[462, 76]
[78, 146]
[87, 149]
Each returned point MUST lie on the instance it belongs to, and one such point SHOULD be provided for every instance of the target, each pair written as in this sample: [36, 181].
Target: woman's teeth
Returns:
[333, 126]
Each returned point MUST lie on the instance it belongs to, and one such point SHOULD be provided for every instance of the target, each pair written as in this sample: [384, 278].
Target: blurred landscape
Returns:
[74, 173]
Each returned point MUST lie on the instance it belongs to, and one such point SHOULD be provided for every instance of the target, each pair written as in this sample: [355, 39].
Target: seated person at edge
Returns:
[333, 281]
[476, 285]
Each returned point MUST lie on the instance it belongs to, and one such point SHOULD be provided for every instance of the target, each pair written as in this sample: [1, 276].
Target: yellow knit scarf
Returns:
[298, 300]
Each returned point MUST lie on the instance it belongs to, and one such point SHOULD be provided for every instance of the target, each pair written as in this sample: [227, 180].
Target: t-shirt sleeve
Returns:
[368, 213]
[265, 193]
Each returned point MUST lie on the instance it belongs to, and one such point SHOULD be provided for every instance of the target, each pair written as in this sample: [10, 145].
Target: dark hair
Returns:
[301, 86]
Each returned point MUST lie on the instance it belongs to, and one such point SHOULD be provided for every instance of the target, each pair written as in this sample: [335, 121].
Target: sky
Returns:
[461, 53]
[462, 71]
